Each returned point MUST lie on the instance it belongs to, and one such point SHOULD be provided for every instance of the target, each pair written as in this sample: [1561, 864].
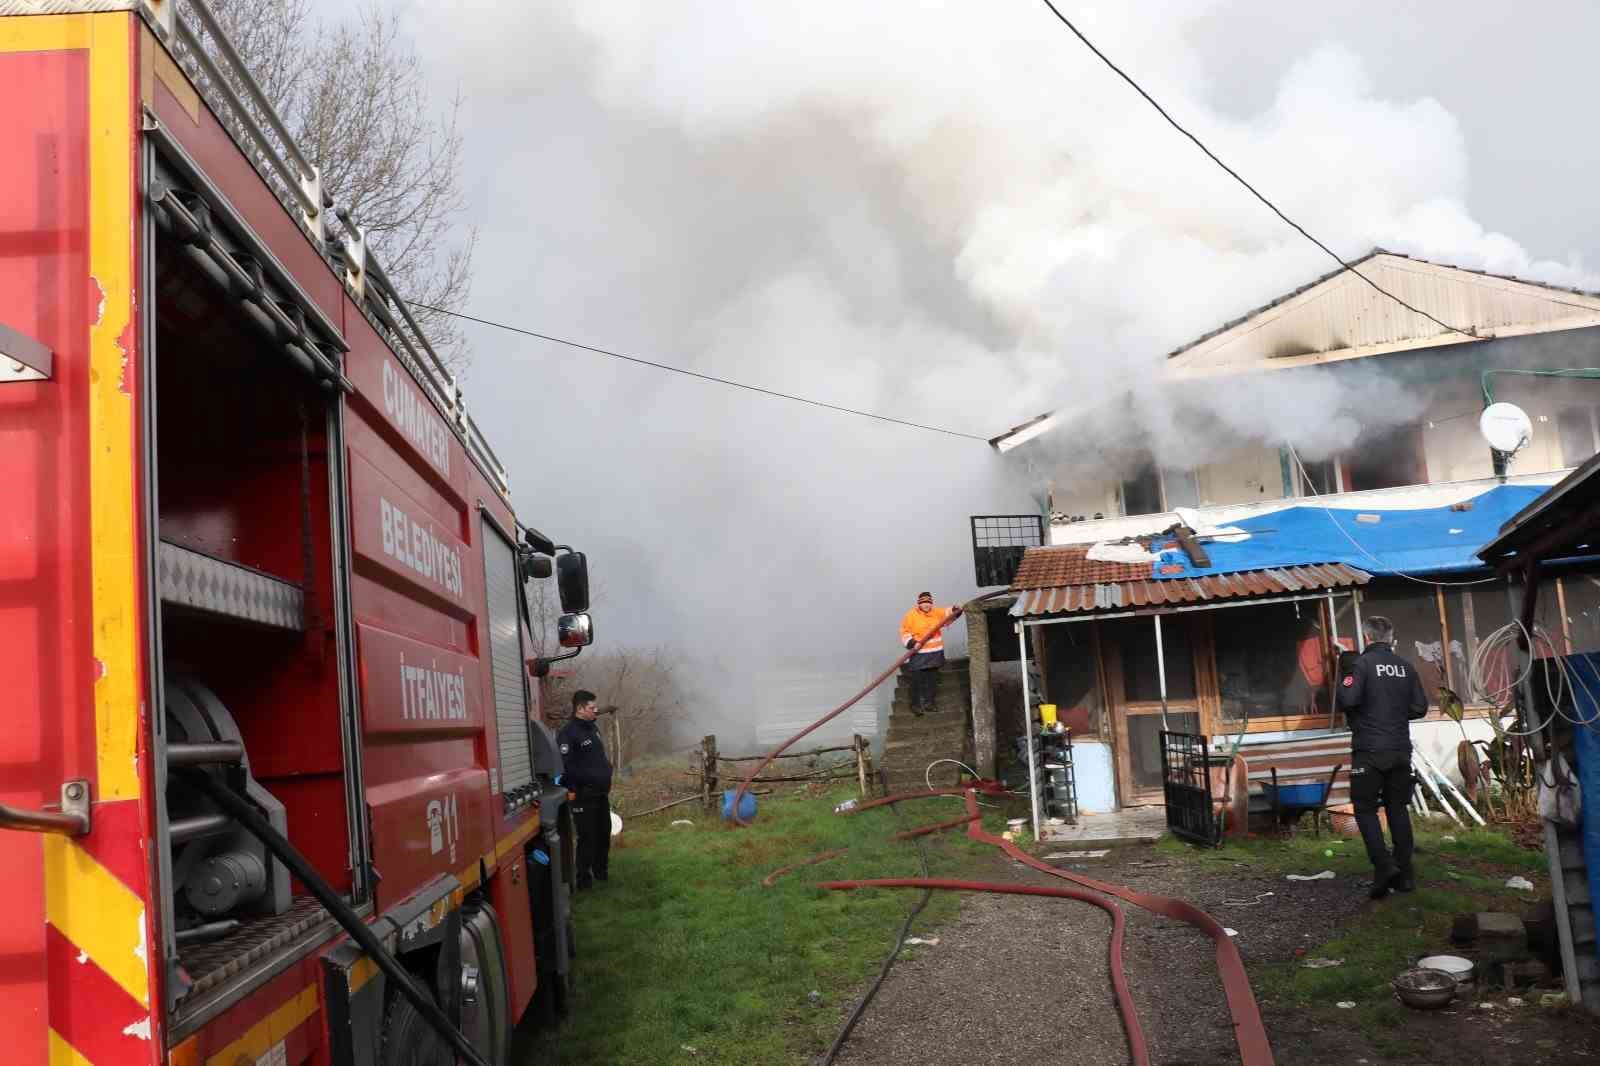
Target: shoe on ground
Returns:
[602, 877]
[1404, 881]
[1382, 881]
[584, 886]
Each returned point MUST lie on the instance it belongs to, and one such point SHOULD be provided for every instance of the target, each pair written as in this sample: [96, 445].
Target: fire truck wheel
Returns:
[408, 1039]
[486, 997]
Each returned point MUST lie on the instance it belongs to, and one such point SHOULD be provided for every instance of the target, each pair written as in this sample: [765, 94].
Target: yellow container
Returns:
[1047, 714]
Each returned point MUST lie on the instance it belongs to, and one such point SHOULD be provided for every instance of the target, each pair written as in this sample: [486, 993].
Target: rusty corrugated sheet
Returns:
[1049, 567]
[1142, 593]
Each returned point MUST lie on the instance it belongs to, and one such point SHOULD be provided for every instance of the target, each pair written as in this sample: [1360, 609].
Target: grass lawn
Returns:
[1458, 871]
[684, 957]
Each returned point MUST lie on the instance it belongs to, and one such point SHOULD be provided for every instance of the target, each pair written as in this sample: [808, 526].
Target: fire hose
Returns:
[738, 795]
[242, 811]
[1249, 1031]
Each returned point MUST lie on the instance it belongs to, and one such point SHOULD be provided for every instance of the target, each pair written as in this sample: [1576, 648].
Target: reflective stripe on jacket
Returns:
[915, 625]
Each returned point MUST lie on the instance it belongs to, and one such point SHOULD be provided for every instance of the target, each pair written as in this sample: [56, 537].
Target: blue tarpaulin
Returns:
[1424, 541]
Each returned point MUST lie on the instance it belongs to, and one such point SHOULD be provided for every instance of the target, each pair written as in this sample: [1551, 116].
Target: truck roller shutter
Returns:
[505, 655]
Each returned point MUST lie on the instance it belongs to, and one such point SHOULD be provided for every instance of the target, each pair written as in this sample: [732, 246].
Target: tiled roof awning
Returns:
[1064, 581]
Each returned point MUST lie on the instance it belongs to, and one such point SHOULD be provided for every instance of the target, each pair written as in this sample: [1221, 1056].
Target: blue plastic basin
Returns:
[1299, 795]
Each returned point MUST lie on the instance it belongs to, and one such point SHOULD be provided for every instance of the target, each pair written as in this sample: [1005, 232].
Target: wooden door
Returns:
[1136, 706]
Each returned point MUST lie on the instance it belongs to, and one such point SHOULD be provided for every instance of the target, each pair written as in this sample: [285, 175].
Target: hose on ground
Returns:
[245, 813]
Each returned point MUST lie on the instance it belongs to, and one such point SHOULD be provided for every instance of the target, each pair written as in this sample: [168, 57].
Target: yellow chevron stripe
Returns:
[260, 1037]
[102, 917]
[63, 1053]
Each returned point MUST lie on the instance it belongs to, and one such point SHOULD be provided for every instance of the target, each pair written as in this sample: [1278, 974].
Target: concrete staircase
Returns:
[944, 733]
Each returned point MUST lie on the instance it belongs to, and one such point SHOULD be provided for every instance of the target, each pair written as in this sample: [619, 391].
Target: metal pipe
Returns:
[1099, 617]
[176, 159]
[1361, 633]
[33, 821]
[183, 830]
[1333, 636]
[1027, 727]
[1161, 672]
[259, 98]
[219, 267]
[202, 934]
[204, 753]
[241, 113]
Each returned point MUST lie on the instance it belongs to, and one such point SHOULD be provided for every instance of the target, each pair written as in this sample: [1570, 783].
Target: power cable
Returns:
[703, 377]
[1240, 179]
[1306, 478]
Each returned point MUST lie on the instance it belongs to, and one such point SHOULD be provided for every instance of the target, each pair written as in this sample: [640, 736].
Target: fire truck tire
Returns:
[485, 1014]
[408, 1039]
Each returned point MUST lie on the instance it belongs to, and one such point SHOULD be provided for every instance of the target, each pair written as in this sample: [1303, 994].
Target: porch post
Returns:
[1333, 684]
[1361, 634]
[1027, 726]
[980, 678]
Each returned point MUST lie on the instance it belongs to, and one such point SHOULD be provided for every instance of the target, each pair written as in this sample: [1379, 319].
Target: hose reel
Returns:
[218, 869]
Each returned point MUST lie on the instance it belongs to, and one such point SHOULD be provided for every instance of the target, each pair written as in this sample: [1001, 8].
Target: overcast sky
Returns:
[946, 212]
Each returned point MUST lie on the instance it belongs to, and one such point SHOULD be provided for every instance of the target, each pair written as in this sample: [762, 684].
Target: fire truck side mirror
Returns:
[536, 568]
[575, 630]
[572, 579]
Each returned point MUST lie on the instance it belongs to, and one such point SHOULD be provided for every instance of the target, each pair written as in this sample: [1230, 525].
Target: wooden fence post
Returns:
[708, 769]
[863, 763]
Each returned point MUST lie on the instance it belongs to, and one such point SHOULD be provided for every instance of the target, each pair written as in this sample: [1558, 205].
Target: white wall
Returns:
[1250, 475]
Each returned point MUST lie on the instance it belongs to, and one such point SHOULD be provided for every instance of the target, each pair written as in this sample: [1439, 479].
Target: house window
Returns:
[1155, 490]
[1575, 427]
[1141, 494]
[1388, 460]
[1582, 595]
[1320, 478]
[1270, 661]
[1181, 488]
[1072, 678]
[1141, 672]
[1418, 636]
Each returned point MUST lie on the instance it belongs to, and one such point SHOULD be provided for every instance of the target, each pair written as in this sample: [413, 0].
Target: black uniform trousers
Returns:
[1383, 779]
[924, 689]
[591, 818]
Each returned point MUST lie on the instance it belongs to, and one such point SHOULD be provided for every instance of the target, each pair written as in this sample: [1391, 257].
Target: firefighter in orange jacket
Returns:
[923, 667]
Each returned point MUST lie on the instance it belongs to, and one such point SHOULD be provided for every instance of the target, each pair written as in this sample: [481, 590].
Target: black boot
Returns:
[1383, 879]
[1404, 881]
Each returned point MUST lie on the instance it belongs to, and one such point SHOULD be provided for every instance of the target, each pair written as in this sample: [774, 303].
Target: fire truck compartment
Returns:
[245, 577]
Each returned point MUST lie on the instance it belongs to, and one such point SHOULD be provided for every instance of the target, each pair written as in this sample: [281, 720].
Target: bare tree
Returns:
[354, 96]
[642, 684]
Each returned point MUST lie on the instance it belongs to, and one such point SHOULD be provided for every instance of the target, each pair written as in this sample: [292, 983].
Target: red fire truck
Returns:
[273, 784]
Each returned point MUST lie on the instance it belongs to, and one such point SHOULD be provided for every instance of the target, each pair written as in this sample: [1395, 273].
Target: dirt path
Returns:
[1015, 979]
[1018, 980]
[1009, 979]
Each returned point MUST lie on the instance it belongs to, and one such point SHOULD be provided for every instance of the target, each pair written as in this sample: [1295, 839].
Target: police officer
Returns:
[588, 776]
[1381, 694]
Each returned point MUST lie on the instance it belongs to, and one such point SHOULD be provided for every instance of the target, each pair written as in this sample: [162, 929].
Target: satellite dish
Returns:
[1506, 427]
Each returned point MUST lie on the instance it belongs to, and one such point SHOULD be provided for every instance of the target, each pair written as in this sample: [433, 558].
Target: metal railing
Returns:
[202, 49]
[998, 544]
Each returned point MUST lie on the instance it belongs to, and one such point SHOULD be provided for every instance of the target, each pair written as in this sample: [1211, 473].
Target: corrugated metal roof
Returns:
[1070, 565]
[1146, 593]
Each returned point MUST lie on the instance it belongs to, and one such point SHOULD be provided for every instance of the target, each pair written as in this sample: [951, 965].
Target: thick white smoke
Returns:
[945, 211]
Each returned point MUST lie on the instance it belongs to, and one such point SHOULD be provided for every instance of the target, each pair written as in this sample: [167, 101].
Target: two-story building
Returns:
[1320, 462]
